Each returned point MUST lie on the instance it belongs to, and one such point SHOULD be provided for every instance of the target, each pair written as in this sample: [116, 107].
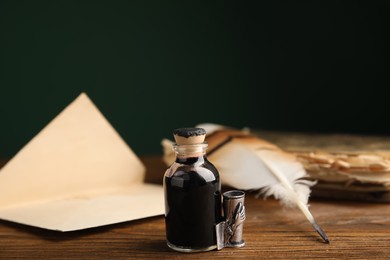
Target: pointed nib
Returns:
[321, 232]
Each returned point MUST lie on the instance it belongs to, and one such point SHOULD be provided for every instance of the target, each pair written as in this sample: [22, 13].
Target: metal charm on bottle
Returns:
[229, 232]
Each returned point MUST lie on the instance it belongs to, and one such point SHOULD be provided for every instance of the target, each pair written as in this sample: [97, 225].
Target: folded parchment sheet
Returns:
[77, 173]
[345, 166]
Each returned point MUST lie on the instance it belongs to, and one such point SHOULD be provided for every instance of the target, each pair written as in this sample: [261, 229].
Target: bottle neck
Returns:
[190, 150]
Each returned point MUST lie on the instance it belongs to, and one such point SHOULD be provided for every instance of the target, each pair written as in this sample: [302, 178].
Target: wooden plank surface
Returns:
[357, 230]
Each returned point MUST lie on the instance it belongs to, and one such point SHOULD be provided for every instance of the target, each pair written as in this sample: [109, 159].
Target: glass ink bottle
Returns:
[192, 190]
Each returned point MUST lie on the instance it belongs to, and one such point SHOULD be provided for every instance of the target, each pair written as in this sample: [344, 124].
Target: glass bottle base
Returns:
[191, 249]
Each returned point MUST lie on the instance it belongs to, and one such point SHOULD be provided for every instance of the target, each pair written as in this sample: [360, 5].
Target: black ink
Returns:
[193, 203]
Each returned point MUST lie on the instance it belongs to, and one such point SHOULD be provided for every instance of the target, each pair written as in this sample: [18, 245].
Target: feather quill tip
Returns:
[321, 233]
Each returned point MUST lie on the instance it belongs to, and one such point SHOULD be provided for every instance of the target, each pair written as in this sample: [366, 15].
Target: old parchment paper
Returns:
[77, 173]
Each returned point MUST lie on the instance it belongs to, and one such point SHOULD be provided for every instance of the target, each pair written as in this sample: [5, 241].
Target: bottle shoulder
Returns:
[190, 167]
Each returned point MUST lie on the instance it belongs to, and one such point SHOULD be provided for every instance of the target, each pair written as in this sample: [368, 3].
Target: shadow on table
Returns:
[52, 235]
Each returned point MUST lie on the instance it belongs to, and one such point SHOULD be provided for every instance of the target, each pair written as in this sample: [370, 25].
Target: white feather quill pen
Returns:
[247, 162]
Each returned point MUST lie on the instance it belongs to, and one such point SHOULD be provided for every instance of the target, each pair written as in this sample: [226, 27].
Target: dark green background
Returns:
[152, 66]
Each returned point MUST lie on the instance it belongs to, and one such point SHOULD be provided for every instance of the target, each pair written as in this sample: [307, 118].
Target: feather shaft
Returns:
[302, 206]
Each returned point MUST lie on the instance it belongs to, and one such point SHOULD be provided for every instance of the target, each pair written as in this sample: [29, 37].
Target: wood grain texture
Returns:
[357, 230]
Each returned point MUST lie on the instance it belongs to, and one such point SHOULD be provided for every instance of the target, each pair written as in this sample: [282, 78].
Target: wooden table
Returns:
[357, 230]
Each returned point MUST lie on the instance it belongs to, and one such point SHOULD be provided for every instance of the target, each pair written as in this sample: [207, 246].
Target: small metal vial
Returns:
[192, 191]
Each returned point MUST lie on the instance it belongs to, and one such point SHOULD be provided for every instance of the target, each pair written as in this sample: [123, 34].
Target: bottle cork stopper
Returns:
[186, 136]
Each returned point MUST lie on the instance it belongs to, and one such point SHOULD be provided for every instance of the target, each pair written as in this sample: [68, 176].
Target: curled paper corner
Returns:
[77, 173]
[211, 128]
